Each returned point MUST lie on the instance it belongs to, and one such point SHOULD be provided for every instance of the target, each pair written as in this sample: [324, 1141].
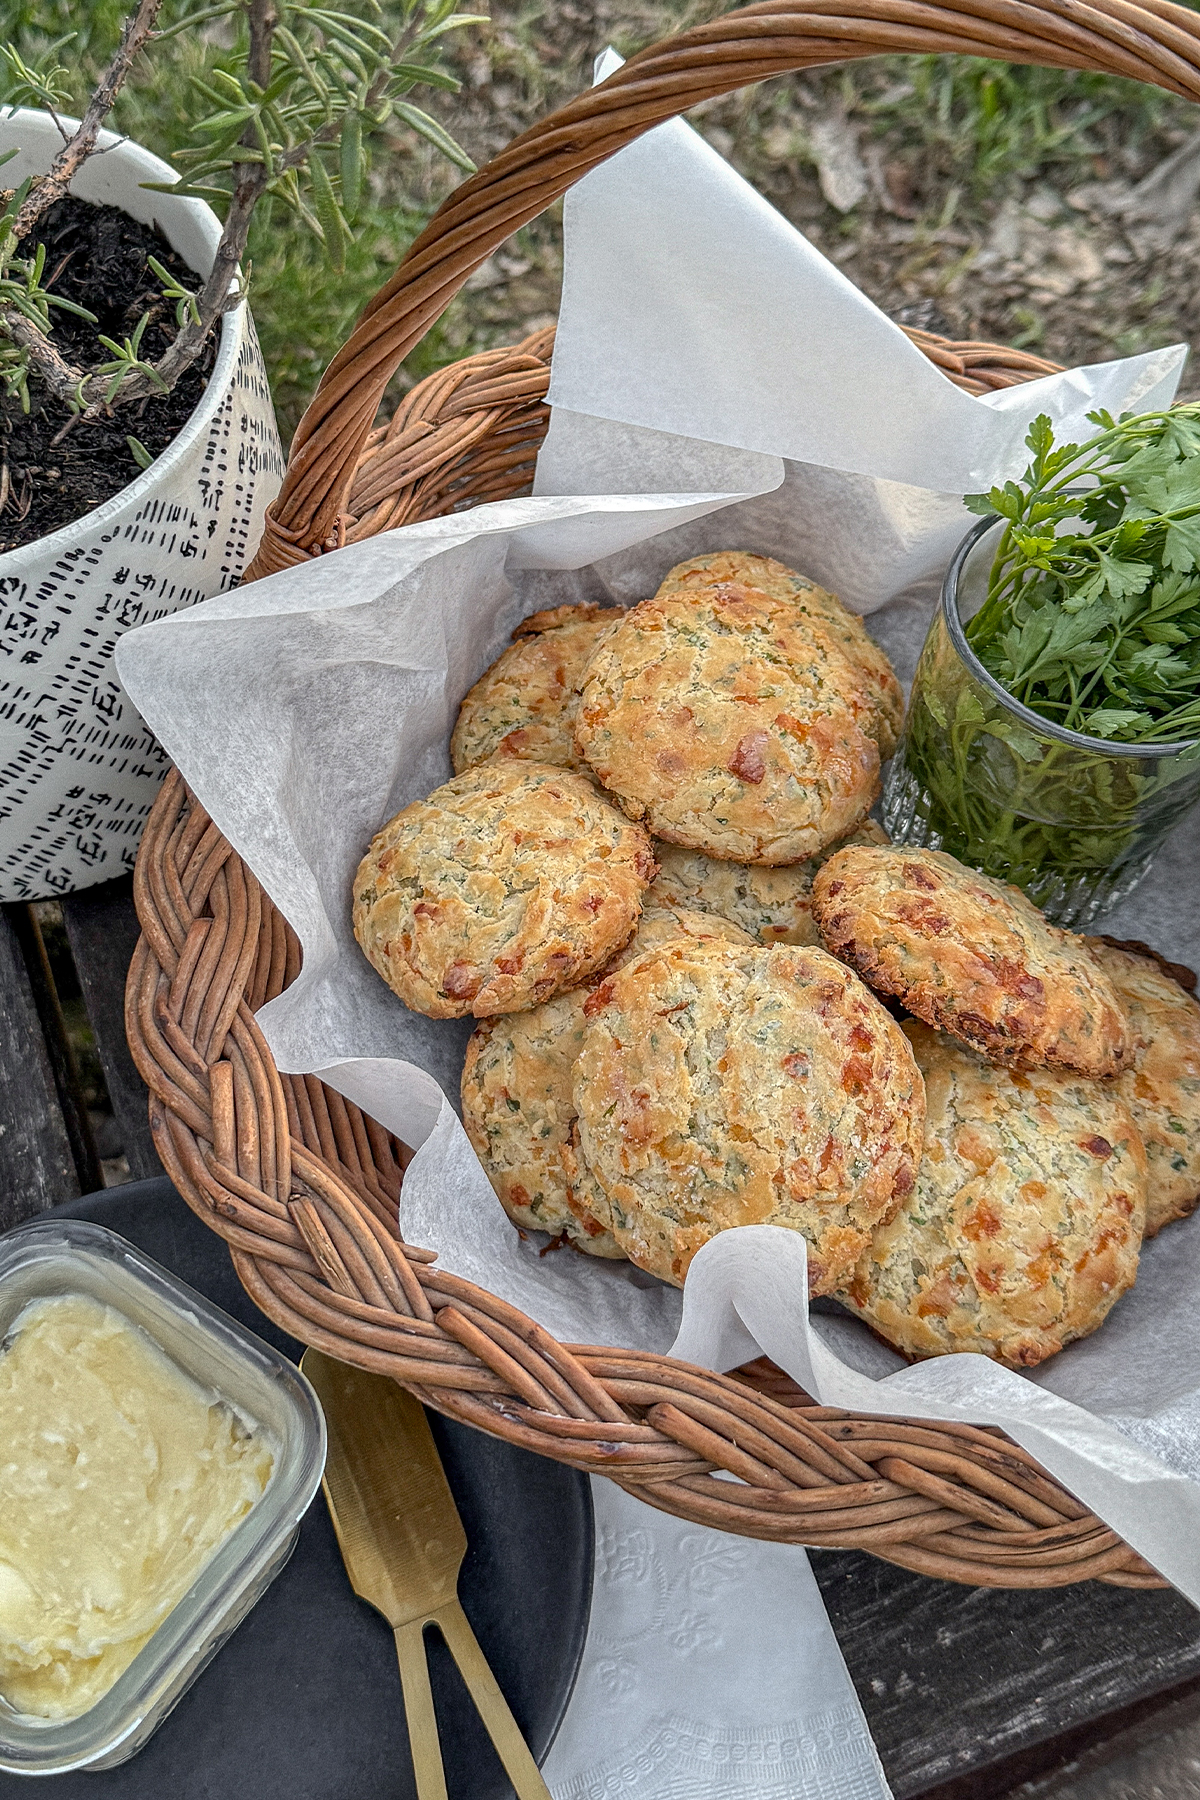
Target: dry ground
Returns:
[1023, 206]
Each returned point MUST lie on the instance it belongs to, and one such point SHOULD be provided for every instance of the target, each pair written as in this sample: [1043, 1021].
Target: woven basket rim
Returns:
[304, 1189]
[302, 1185]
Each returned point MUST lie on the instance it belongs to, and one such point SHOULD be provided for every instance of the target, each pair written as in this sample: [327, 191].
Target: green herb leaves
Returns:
[1092, 617]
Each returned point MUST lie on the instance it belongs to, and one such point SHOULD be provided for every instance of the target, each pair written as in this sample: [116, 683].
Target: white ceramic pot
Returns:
[78, 767]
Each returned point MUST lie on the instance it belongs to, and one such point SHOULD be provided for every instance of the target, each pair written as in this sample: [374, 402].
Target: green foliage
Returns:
[337, 87]
[185, 300]
[1092, 618]
[44, 82]
[336, 79]
[124, 358]
[21, 289]
[997, 122]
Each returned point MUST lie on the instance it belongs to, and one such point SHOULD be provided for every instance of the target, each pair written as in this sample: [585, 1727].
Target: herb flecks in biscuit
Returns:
[823, 610]
[971, 956]
[1025, 1223]
[518, 1113]
[662, 921]
[729, 725]
[525, 704]
[517, 1100]
[721, 1086]
[1162, 1089]
[773, 905]
[513, 882]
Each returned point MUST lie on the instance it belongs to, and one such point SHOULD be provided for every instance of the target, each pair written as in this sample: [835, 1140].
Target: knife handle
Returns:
[423, 1739]
[492, 1707]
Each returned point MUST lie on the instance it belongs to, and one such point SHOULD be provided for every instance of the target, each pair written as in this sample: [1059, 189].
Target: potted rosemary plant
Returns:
[138, 445]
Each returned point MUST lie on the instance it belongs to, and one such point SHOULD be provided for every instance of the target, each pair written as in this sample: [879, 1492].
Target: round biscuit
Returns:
[720, 1086]
[518, 1113]
[824, 609]
[525, 704]
[572, 612]
[1025, 1222]
[1162, 1089]
[727, 724]
[518, 1108]
[972, 957]
[773, 905]
[513, 882]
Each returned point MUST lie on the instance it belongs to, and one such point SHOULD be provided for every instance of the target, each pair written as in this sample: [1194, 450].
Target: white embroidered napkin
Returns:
[711, 1672]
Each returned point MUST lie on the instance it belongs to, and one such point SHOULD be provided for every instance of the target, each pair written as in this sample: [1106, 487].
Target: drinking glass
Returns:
[1075, 821]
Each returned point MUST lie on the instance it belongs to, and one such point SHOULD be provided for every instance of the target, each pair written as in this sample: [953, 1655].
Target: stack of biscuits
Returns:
[712, 994]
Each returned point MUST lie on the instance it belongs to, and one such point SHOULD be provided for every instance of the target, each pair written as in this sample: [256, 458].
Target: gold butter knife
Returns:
[403, 1544]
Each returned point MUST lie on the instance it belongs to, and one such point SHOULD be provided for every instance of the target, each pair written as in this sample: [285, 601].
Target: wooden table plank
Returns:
[102, 930]
[968, 1691]
[37, 1166]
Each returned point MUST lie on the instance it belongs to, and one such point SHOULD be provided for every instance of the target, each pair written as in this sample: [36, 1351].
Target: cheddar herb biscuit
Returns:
[513, 882]
[517, 1104]
[1162, 1089]
[823, 609]
[518, 1113]
[1025, 1222]
[971, 956]
[725, 722]
[773, 905]
[721, 1086]
[572, 613]
[663, 920]
[525, 704]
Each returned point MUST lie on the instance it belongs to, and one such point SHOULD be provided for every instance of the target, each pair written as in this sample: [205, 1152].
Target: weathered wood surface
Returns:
[58, 1048]
[37, 1165]
[969, 1691]
[102, 930]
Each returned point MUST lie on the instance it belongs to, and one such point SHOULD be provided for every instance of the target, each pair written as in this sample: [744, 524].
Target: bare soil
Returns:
[55, 466]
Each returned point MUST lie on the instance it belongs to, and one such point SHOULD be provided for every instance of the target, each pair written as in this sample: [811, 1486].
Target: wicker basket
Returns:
[302, 1186]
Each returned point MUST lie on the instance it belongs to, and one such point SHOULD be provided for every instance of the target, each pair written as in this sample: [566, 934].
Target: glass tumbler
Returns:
[1075, 821]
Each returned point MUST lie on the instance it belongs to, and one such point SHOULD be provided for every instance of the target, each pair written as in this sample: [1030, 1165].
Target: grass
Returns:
[995, 124]
[956, 135]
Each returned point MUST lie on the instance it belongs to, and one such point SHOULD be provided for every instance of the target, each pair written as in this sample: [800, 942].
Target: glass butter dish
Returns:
[264, 1391]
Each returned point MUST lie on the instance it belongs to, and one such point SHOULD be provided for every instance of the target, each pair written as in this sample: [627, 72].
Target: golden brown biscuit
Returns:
[1162, 1089]
[722, 1086]
[660, 923]
[773, 905]
[721, 719]
[585, 1197]
[518, 1113]
[513, 882]
[1026, 1219]
[845, 627]
[552, 617]
[525, 704]
[517, 1104]
[971, 956]
[662, 920]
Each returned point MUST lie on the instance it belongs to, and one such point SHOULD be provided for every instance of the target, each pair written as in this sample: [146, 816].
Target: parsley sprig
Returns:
[1092, 617]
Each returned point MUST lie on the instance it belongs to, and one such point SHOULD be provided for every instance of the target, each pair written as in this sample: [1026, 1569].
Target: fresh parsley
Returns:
[1092, 617]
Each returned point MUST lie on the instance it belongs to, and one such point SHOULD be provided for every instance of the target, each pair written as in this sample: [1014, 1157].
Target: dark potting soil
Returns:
[97, 257]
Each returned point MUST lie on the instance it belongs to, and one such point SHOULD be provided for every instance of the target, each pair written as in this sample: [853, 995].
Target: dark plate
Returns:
[304, 1702]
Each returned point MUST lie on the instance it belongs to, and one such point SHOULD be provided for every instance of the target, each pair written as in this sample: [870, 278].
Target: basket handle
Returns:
[1155, 42]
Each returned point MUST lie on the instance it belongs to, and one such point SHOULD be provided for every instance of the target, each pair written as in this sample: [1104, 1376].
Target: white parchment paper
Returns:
[306, 709]
[693, 312]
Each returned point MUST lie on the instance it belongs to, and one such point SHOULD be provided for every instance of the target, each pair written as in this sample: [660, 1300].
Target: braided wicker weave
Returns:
[304, 1187]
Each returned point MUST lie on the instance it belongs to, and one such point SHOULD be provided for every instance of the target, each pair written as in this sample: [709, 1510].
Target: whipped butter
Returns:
[119, 1478]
